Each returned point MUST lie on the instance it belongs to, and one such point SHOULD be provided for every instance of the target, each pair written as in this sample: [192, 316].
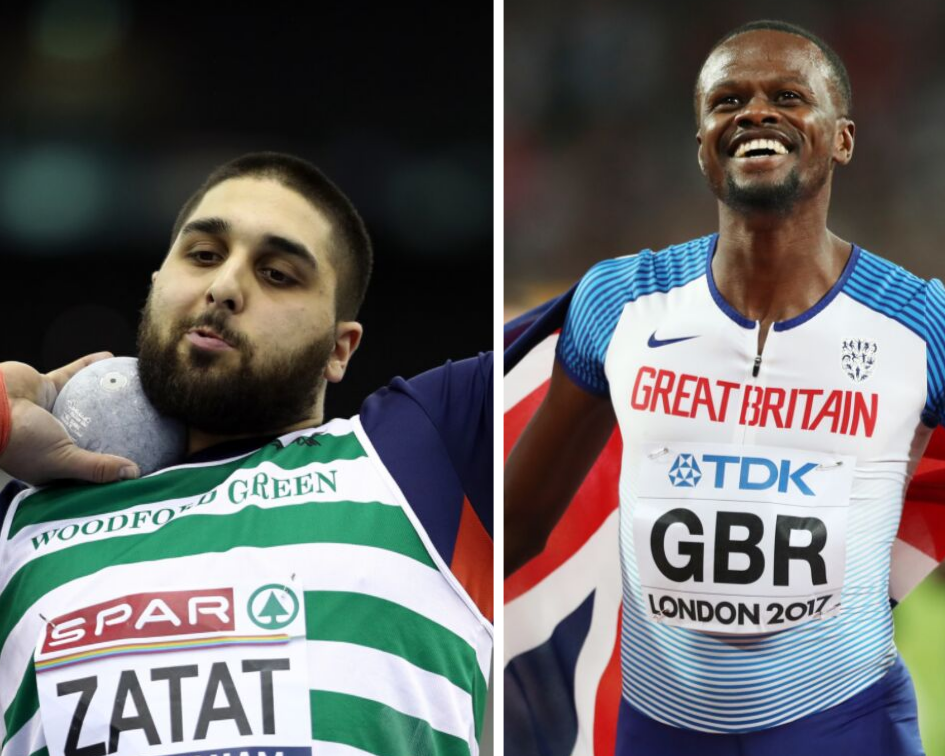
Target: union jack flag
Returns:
[562, 609]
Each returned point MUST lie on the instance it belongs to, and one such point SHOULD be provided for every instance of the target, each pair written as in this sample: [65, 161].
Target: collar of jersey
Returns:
[782, 325]
[229, 449]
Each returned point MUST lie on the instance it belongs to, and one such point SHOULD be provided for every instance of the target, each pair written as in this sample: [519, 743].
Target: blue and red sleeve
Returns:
[434, 434]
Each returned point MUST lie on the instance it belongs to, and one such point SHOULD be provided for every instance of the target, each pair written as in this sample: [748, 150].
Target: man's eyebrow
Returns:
[784, 81]
[212, 226]
[289, 247]
[724, 84]
[794, 81]
[220, 227]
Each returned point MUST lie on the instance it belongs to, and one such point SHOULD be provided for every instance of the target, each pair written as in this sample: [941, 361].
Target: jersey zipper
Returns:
[757, 367]
[748, 431]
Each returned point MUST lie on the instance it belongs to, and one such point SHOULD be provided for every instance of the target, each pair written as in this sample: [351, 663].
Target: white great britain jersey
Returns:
[759, 500]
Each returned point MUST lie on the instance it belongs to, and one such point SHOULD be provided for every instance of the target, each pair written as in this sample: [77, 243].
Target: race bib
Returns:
[213, 670]
[734, 539]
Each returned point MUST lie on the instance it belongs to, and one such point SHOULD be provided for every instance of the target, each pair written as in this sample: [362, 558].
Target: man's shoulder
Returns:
[611, 284]
[452, 385]
[434, 435]
[647, 271]
[914, 302]
[893, 291]
[878, 269]
[607, 288]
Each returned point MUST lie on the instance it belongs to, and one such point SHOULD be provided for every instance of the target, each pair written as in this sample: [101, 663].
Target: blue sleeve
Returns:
[934, 413]
[434, 434]
[590, 323]
[604, 291]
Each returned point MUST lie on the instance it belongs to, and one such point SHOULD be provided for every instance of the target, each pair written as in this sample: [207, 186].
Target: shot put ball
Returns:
[105, 410]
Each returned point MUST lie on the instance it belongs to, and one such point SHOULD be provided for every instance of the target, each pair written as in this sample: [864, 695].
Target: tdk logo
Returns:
[685, 472]
[753, 473]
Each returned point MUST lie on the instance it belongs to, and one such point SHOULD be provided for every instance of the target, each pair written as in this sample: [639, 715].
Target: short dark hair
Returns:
[351, 246]
[839, 71]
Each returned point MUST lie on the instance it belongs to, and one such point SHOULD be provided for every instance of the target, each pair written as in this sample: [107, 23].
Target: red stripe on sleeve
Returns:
[472, 560]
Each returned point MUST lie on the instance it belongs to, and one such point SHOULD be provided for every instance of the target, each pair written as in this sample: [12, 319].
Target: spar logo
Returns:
[273, 606]
[746, 473]
[142, 615]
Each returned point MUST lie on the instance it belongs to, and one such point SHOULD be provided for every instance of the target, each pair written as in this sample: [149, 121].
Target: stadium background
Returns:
[600, 161]
[114, 111]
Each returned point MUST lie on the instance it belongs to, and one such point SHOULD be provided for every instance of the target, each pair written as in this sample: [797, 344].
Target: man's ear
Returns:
[347, 338]
[699, 153]
[846, 136]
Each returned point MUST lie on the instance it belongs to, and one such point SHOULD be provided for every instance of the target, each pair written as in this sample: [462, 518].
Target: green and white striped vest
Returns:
[397, 654]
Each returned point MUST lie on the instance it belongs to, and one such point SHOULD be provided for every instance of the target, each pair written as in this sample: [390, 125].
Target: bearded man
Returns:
[293, 583]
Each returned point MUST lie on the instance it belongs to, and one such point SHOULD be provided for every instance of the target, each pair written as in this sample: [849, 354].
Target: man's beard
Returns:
[778, 199]
[249, 399]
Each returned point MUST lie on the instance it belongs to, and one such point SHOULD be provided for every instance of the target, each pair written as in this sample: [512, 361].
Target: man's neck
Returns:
[198, 440]
[773, 267]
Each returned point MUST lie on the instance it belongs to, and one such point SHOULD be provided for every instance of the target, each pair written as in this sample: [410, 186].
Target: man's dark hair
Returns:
[351, 246]
[839, 71]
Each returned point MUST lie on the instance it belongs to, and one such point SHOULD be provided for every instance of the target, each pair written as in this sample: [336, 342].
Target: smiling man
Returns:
[774, 386]
[294, 584]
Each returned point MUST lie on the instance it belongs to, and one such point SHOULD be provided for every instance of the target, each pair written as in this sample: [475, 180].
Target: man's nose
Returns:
[227, 288]
[758, 111]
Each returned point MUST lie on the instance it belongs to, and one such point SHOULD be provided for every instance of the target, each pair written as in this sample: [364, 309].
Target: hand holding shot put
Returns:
[38, 447]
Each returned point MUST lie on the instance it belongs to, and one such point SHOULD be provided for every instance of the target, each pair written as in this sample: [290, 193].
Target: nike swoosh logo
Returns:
[654, 342]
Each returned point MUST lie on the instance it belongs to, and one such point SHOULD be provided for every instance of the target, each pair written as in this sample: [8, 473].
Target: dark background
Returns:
[114, 111]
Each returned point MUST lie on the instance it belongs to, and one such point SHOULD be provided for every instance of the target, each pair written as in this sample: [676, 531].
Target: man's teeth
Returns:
[770, 145]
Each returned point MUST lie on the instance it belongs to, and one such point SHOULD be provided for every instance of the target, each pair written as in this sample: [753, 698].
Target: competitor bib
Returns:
[734, 539]
[212, 670]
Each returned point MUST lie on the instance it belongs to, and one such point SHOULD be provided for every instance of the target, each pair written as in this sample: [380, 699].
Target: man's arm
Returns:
[34, 445]
[434, 434]
[549, 462]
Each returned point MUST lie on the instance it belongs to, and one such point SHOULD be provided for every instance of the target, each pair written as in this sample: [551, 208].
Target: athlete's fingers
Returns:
[78, 464]
[61, 376]
[40, 450]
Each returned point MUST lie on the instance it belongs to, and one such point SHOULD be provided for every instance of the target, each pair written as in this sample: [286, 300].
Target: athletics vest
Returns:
[265, 604]
[759, 497]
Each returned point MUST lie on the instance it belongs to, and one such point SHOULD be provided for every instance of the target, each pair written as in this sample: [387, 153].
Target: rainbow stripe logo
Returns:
[157, 647]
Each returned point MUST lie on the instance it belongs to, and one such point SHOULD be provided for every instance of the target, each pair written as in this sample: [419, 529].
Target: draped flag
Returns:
[562, 609]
